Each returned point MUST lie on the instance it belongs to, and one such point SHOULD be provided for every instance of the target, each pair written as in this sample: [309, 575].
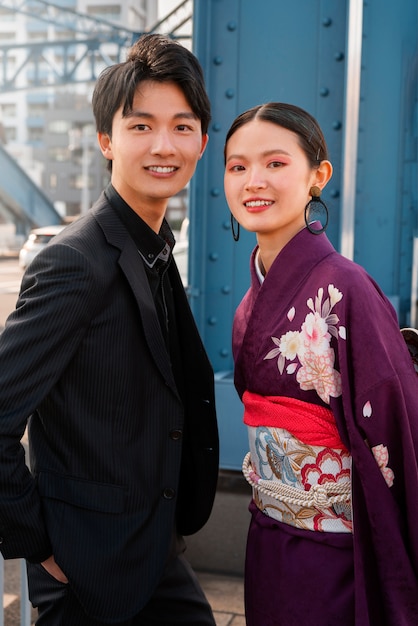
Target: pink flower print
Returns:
[367, 409]
[309, 349]
[329, 468]
[381, 455]
[291, 314]
[317, 372]
[315, 333]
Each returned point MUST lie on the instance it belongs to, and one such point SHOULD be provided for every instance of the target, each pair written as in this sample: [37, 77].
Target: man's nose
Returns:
[162, 143]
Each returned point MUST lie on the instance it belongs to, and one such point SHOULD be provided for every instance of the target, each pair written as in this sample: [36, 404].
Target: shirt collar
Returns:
[151, 246]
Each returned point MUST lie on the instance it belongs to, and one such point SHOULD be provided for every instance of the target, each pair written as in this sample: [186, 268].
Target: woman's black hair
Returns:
[293, 118]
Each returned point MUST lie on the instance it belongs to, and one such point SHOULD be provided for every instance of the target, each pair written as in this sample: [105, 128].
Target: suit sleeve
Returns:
[56, 301]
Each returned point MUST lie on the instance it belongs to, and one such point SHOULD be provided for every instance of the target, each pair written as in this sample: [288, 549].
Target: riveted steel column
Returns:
[212, 255]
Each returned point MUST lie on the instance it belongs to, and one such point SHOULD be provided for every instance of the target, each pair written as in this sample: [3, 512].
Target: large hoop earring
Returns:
[235, 233]
[316, 211]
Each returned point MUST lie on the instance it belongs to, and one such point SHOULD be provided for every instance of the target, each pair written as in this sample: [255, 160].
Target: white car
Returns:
[38, 238]
[181, 251]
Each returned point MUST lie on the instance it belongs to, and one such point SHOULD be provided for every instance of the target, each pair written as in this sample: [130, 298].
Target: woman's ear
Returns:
[323, 174]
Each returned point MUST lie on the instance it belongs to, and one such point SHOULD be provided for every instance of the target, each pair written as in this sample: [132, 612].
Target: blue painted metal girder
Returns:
[386, 194]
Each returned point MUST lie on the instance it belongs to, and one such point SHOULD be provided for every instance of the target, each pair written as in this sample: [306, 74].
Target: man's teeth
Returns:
[259, 203]
[162, 170]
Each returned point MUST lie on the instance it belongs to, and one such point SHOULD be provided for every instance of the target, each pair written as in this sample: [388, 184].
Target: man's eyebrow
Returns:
[189, 115]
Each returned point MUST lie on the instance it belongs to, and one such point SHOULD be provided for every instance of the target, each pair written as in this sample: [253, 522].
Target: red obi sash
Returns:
[310, 423]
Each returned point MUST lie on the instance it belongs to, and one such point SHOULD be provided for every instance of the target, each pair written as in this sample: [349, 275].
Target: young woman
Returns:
[330, 398]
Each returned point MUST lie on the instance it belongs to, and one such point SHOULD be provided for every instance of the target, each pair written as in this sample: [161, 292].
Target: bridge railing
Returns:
[20, 196]
[23, 597]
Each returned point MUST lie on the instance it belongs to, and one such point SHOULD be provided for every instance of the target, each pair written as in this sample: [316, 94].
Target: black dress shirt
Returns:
[155, 250]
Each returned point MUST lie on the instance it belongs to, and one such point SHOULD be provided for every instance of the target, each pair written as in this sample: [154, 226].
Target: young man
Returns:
[102, 352]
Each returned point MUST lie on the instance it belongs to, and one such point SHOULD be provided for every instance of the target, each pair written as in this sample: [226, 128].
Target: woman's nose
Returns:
[255, 179]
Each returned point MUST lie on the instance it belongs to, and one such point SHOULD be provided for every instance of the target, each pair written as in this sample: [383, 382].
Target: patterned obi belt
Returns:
[298, 467]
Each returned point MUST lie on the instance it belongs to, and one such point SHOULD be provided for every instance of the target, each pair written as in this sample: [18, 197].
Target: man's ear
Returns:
[105, 144]
[205, 139]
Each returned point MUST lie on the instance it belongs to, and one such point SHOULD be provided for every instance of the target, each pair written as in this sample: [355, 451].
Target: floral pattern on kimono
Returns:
[313, 359]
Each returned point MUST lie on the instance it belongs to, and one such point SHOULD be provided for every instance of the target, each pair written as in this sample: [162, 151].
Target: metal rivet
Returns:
[224, 352]
[218, 60]
[229, 93]
[226, 289]
[212, 321]
[215, 192]
[226, 225]
[324, 92]
[339, 56]
[231, 26]
[213, 256]
[327, 21]
[335, 193]
[216, 127]
[337, 125]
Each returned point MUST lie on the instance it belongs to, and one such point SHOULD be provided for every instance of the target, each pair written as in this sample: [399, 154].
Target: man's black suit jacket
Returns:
[117, 458]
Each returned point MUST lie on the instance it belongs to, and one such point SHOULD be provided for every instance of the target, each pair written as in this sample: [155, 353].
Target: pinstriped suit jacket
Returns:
[83, 354]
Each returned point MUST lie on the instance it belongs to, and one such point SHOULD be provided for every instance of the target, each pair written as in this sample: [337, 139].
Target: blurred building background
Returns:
[49, 128]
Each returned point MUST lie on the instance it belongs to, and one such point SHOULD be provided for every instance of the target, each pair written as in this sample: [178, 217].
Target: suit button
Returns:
[175, 435]
[169, 493]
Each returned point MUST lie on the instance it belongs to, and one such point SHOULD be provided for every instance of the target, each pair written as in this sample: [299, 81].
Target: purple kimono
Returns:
[354, 361]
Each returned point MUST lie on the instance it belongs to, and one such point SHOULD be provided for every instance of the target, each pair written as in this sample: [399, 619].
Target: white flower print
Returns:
[290, 344]
[310, 349]
[334, 295]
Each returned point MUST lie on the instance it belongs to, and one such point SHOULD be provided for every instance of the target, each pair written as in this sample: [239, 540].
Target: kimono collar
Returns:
[303, 252]
[257, 267]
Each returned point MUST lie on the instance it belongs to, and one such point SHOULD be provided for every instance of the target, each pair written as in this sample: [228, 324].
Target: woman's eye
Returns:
[274, 164]
[237, 168]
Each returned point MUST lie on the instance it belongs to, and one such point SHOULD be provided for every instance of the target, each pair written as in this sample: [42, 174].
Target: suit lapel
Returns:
[132, 266]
